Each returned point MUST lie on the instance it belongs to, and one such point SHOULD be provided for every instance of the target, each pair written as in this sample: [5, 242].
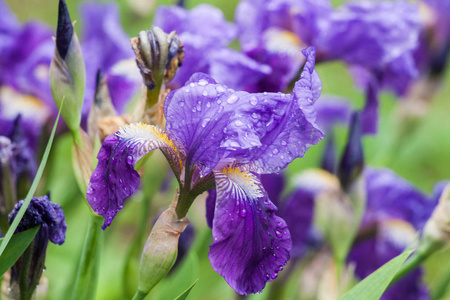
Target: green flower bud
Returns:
[67, 71]
[160, 251]
[437, 228]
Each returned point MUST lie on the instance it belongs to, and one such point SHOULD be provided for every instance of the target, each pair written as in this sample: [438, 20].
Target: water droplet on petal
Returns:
[192, 84]
[129, 159]
[254, 115]
[220, 89]
[278, 233]
[280, 268]
[90, 190]
[205, 121]
[202, 82]
[267, 276]
[238, 123]
[274, 275]
[275, 151]
[253, 100]
[208, 104]
[205, 93]
[283, 143]
[187, 90]
[232, 99]
[181, 103]
[243, 213]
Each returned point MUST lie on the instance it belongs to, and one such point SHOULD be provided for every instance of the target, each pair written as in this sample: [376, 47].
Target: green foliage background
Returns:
[423, 158]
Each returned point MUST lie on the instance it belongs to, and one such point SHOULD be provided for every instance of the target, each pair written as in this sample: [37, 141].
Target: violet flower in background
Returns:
[205, 35]
[27, 51]
[218, 137]
[274, 32]
[106, 47]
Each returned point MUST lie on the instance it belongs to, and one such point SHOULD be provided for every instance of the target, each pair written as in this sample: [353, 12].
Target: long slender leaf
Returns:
[87, 274]
[32, 190]
[17, 245]
[373, 286]
[184, 295]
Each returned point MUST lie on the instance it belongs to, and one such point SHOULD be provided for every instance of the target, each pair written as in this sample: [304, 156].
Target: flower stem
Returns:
[139, 295]
[423, 252]
[86, 278]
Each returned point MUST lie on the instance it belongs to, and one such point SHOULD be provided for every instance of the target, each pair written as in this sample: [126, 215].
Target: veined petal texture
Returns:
[251, 244]
[115, 178]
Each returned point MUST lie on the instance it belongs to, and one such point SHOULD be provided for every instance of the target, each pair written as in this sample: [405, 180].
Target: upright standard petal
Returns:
[296, 131]
[204, 115]
[115, 178]
[390, 196]
[251, 244]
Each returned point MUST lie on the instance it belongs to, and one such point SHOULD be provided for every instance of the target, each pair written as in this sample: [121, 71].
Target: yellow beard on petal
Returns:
[245, 181]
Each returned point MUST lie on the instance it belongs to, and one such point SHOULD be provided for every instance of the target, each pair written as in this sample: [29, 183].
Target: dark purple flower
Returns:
[50, 217]
[218, 137]
[104, 45]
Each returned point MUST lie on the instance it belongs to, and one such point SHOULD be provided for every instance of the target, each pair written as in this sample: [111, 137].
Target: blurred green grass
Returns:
[423, 159]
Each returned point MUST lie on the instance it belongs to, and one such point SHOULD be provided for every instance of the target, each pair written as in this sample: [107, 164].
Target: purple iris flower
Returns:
[27, 51]
[217, 137]
[105, 45]
[205, 34]
[273, 32]
[395, 211]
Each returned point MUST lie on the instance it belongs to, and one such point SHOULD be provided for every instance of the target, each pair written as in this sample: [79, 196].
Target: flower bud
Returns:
[437, 228]
[352, 162]
[329, 156]
[158, 55]
[161, 248]
[67, 71]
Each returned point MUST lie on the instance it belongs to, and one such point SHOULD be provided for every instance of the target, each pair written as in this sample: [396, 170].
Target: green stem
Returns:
[424, 251]
[24, 276]
[87, 274]
[156, 177]
[442, 287]
[139, 295]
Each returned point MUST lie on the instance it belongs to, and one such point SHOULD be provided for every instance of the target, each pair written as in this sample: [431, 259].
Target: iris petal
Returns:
[251, 244]
[115, 178]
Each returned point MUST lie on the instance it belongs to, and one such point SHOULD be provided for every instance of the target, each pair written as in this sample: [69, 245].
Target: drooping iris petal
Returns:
[385, 241]
[251, 244]
[390, 196]
[292, 135]
[115, 178]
